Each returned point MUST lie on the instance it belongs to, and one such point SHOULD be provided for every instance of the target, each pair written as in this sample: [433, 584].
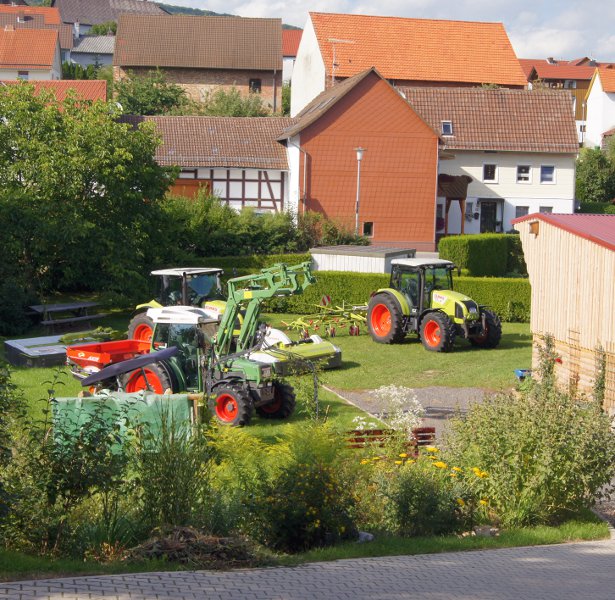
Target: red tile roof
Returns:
[28, 49]
[499, 119]
[561, 70]
[51, 15]
[198, 42]
[596, 228]
[290, 41]
[241, 142]
[418, 49]
[85, 89]
[607, 79]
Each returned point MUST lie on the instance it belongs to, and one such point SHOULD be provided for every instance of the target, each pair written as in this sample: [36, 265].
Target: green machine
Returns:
[238, 370]
[421, 300]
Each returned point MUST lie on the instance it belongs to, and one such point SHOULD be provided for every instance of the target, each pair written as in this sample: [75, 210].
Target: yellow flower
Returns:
[431, 449]
[457, 469]
[453, 474]
[376, 458]
[364, 461]
[399, 462]
[440, 464]
[403, 455]
[479, 473]
[461, 502]
[410, 461]
[483, 502]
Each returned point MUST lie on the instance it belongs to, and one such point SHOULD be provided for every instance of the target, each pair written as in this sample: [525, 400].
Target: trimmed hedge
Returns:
[510, 298]
[484, 254]
[245, 265]
[597, 208]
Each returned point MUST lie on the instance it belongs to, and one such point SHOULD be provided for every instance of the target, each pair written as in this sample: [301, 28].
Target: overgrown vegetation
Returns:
[595, 173]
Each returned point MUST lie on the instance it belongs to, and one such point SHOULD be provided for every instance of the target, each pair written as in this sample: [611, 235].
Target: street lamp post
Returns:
[359, 151]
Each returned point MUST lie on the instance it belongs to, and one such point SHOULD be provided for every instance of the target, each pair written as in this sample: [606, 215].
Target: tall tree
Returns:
[78, 191]
[149, 94]
[595, 176]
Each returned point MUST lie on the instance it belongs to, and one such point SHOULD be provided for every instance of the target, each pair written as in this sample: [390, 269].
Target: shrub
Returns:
[314, 229]
[484, 255]
[305, 503]
[509, 298]
[597, 208]
[546, 454]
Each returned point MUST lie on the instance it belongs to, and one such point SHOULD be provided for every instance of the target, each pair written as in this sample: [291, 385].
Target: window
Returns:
[447, 128]
[547, 174]
[255, 85]
[23, 75]
[521, 211]
[546, 209]
[524, 174]
[490, 172]
[368, 229]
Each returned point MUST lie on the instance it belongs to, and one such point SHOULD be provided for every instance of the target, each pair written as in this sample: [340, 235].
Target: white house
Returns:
[29, 54]
[290, 44]
[518, 147]
[600, 106]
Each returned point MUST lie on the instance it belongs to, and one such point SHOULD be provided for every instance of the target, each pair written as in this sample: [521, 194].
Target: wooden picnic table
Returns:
[66, 313]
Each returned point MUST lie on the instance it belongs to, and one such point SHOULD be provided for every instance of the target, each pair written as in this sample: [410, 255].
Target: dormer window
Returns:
[447, 128]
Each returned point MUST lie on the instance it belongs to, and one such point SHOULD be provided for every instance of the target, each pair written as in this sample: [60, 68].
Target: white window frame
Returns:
[529, 174]
[495, 176]
[448, 125]
[553, 181]
[545, 210]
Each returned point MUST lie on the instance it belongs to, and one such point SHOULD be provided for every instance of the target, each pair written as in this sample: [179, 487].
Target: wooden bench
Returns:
[68, 320]
[423, 436]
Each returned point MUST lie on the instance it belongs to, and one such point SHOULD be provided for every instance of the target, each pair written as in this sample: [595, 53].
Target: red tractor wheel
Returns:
[385, 319]
[141, 328]
[231, 405]
[437, 332]
[154, 377]
[283, 403]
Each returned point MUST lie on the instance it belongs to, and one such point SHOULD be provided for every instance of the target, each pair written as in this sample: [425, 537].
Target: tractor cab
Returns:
[418, 278]
[188, 286]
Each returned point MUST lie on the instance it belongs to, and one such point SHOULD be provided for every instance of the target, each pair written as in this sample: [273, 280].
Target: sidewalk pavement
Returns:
[558, 572]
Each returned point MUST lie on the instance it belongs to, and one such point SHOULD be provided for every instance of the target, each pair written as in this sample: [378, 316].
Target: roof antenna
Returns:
[334, 64]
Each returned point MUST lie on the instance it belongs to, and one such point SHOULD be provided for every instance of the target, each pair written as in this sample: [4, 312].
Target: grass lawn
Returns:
[366, 365]
[16, 566]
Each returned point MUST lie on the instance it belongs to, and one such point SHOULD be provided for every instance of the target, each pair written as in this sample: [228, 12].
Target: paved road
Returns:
[563, 572]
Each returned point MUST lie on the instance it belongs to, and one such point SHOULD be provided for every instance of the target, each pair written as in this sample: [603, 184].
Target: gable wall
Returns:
[308, 77]
[199, 82]
[398, 171]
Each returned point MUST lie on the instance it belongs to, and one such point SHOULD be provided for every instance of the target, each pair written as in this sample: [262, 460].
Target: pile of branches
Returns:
[190, 547]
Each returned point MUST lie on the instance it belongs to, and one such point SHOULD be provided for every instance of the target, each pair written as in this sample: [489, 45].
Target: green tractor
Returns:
[239, 371]
[421, 300]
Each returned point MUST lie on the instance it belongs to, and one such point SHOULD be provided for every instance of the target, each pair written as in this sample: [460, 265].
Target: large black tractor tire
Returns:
[437, 332]
[141, 327]
[491, 337]
[155, 377]
[231, 405]
[385, 321]
[283, 403]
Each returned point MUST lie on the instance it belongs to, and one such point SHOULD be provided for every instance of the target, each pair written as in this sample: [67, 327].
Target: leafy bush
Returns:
[172, 465]
[314, 229]
[598, 208]
[485, 254]
[546, 454]
[305, 502]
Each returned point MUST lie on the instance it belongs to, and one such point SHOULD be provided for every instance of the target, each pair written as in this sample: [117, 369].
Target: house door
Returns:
[488, 216]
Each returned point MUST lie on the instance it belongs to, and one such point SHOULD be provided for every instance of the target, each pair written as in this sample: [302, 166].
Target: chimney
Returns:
[551, 60]
[76, 30]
